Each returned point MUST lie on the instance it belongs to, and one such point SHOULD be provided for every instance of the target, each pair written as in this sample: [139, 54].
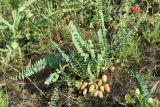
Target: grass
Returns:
[92, 34]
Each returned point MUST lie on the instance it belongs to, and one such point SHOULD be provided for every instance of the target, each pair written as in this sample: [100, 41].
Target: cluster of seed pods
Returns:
[97, 88]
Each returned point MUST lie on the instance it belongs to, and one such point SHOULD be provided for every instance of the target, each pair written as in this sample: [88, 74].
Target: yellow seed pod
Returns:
[102, 88]
[84, 85]
[92, 93]
[96, 93]
[104, 78]
[91, 88]
[99, 82]
[96, 86]
[85, 91]
[107, 88]
[100, 94]
[91, 82]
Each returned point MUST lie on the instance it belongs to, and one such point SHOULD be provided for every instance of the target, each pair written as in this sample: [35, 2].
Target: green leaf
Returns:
[52, 78]
[64, 55]
[142, 86]
[91, 76]
[154, 87]
[78, 41]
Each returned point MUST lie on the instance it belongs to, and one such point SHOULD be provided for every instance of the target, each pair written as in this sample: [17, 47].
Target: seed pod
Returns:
[104, 78]
[85, 91]
[91, 88]
[100, 94]
[99, 82]
[102, 88]
[96, 86]
[107, 88]
[84, 85]
[91, 82]
[112, 68]
[92, 94]
[96, 93]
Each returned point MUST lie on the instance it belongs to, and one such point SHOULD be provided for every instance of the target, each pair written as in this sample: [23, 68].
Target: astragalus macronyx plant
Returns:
[88, 58]
[87, 62]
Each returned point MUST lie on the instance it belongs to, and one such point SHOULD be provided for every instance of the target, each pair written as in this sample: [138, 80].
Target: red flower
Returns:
[134, 9]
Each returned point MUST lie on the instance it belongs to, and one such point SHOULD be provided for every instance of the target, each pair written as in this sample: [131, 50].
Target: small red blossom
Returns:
[134, 9]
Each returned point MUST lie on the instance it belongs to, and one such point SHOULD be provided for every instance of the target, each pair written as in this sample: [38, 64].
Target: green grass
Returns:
[3, 99]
